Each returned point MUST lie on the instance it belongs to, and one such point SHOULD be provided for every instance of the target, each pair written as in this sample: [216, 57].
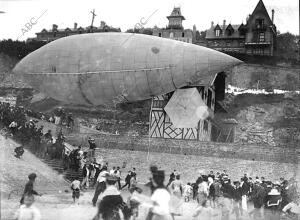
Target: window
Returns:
[259, 23]
[171, 35]
[261, 37]
[217, 33]
[258, 51]
[205, 125]
[182, 34]
[53, 68]
[159, 34]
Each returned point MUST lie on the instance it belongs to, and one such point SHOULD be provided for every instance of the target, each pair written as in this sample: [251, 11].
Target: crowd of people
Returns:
[25, 131]
[215, 193]
[59, 117]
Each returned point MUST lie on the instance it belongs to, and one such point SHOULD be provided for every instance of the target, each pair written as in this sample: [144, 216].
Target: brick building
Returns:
[256, 37]
[174, 30]
[55, 33]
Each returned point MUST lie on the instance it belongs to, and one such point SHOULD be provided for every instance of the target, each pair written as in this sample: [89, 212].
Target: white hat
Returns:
[277, 183]
[257, 181]
[274, 192]
[201, 172]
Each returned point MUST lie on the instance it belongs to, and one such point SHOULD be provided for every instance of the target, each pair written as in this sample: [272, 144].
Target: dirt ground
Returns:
[60, 207]
[57, 204]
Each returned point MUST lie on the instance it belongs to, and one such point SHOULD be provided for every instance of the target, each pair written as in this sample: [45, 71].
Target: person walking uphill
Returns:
[29, 187]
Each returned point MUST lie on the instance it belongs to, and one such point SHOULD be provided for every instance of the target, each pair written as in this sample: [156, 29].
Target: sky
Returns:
[21, 19]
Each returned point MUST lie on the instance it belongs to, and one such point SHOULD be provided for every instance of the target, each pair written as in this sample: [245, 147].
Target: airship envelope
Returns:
[108, 68]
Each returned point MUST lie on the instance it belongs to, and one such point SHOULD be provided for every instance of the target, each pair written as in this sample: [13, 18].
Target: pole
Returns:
[299, 33]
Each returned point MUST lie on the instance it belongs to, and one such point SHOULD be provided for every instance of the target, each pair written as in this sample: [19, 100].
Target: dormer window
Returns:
[259, 23]
[218, 33]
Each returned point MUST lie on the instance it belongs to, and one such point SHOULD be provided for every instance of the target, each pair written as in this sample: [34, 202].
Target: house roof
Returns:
[260, 8]
[210, 33]
[67, 29]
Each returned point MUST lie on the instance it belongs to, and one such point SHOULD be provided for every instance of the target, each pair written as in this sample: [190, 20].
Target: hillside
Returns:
[14, 172]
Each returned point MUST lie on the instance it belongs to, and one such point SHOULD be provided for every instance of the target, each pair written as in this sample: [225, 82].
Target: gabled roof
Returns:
[260, 8]
[242, 26]
[210, 33]
[230, 28]
[218, 27]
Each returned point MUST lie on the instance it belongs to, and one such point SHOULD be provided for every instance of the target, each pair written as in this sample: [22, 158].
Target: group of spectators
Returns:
[25, 131]
[233, 197]
[59, 117]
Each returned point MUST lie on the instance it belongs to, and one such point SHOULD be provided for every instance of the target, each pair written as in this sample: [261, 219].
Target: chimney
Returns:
[212, 24]
[224, 27]
[247, 18]
[54, 27]
[75, 25]
[273, 12]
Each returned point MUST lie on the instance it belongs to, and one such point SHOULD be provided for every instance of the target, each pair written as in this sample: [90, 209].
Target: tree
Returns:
[287, 45]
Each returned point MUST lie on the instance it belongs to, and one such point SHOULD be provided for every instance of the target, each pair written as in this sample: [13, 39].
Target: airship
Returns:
[104, 68]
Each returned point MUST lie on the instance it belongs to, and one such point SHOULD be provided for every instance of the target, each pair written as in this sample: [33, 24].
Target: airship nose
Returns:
[220, 61]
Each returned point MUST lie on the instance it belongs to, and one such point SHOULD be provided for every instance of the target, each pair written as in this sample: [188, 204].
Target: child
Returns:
[75, 186]
[187, 192]
[28, 211]
[204, 211]
[29, 187]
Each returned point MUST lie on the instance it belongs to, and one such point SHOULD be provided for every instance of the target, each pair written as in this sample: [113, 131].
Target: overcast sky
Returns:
[125, 14]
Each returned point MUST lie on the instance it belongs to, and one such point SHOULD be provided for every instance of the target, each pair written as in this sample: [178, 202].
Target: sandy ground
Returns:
[189, 165]
[61, 207]
[57, 204]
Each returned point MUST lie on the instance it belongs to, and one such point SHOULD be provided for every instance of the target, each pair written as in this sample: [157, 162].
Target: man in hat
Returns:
[172, 178]
[258, 197]
[111, 202]
[101, 186]
[237, 200]
[93, 146]
[227, 189]
[29, 187]
[160, 209]
[273, 206]
[127, 180]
